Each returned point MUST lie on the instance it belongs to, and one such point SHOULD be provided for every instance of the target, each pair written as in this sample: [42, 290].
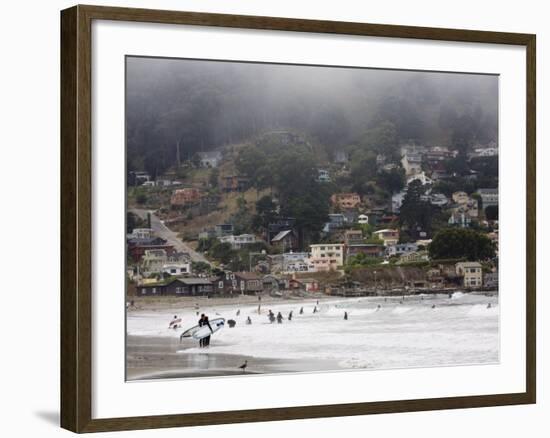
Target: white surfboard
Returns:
[205, 331]
[214, 323]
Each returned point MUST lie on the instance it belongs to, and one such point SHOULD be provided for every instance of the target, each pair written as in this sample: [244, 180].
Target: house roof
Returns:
[386, 230]
[469, 264]
[281, 235]
[247, 275]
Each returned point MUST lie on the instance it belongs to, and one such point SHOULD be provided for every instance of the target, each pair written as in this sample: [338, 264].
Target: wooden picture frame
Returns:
[76, 217]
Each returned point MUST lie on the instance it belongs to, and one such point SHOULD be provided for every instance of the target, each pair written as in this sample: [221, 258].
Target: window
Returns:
[154, 290]
[220, 285]
[173, 271]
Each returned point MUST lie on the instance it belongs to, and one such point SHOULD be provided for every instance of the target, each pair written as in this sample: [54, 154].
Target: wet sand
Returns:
[161, 358]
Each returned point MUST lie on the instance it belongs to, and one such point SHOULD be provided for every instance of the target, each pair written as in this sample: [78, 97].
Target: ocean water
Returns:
[417, 331]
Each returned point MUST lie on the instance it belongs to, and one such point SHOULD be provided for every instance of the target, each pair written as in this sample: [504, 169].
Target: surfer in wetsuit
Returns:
[206, 340]
[346, 316]
[271, 316]
[301, 310]
[279, 318]
[290, 316]
[248, 320]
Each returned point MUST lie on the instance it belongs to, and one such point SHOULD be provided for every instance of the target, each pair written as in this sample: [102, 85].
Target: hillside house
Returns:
[489, 197]
[367, 249]
[289, 262]
[210, 159]
[412, 163]
[388, 236]
[401, 248]
[413, 257]
[287, 240]
[240, 241]
[345, 200]
[353, 237]
[323, 176]
[326, 256]
[235, 183]
[184, 197]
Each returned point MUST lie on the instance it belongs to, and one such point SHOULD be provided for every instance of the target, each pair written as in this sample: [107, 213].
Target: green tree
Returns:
[456, 243]
[415, 213]
[266, 212]
[392, 180]
[214, 177]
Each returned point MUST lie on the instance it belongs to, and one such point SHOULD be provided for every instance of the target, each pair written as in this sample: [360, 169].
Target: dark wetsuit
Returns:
[206, 340]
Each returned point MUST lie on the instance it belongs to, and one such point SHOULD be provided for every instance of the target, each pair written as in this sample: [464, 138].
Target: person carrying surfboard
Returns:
[203, 321]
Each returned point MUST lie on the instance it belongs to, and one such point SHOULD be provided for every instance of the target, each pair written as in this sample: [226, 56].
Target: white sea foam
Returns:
[394, 335]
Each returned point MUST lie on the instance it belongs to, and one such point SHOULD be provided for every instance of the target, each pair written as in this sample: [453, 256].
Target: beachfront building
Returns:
[176, 287]
[388, 236]
[248, 282]
[326, 256]
[240, 241]
[471, 274]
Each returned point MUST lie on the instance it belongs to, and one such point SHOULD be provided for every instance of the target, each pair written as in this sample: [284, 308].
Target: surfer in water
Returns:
[271, 316]
[290, 316]
[315, 309]
[346, 316]
[279, 318]
[175, 323]
[301, 310]
[248, 320]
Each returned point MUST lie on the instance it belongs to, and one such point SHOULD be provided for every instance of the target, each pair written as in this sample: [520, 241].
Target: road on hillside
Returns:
[170, 236]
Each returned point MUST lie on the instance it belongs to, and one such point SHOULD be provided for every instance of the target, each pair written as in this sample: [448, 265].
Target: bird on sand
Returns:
[243, 366]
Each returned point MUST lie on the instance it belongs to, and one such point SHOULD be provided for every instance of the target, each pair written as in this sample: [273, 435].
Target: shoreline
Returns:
[167, 359]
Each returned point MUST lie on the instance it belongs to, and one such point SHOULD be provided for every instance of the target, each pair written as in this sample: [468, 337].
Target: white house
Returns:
[362, 219]
[238, 242]
[210, 159]
[412, 163]
[177, 268]
[388, 236]
[422, 177]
